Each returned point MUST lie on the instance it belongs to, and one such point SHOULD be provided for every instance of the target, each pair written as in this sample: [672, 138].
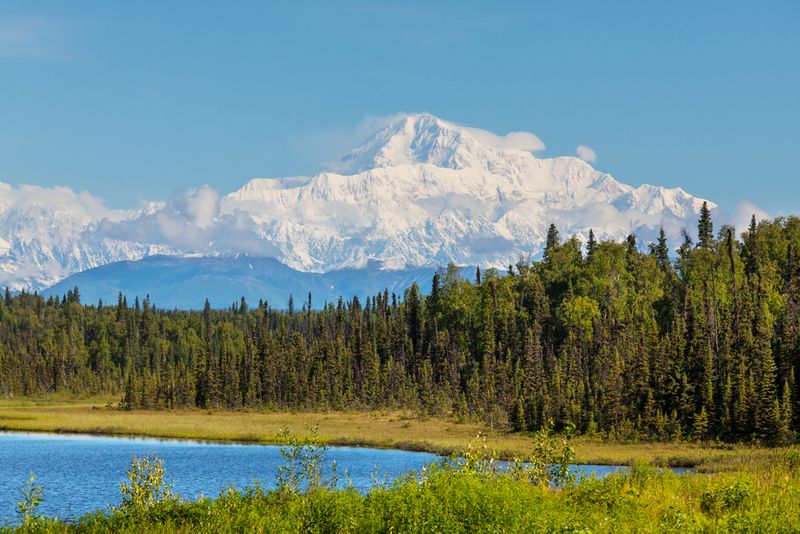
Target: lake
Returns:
[82, 473]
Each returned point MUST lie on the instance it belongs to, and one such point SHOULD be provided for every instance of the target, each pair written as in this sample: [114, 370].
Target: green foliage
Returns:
[304, 460]
[548, 464]
[580, 313]
[676, 520]
[146, 486]
[551, 458]
[700, 427]
[478, 495]
[610, 494]
[625, 344]
[705, 228]
[792, 459]
[726, 498]
[479, 460]
[32, 497]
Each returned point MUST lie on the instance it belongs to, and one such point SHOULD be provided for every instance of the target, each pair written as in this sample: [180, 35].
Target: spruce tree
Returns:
[766, 412]
[630, 241]
[705, 228]
[701, 425]
[551, 242]
[784, 434]
[515, 350]
[751, 247]
[591, 245]
[661, 251]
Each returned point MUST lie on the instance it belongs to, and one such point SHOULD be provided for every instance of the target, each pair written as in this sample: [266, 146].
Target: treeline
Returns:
[704, 343]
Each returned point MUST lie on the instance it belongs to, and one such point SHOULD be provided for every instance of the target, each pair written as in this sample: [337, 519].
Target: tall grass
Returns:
[376, 429]
[472, 494]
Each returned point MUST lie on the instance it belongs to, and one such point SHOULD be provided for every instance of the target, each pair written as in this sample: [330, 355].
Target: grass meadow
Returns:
[400, 430]
[469, 495]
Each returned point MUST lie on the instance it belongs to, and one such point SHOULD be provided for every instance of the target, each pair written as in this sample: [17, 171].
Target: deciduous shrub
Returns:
[27, 506]
[726, 498]
[146, 486]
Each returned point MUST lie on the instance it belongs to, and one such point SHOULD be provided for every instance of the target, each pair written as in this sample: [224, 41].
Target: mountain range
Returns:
[419, 193]
[186, 282]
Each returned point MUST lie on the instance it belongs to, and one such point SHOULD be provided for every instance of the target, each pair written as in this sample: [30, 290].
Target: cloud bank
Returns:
[192, 220]
[26, 200]
[740, 217]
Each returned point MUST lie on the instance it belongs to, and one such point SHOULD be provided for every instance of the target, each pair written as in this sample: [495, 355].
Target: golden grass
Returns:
[705, 458]
[375, 429]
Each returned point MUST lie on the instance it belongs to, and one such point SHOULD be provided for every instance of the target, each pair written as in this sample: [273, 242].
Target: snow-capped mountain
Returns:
[48, 234]
[420, 192]
[424, 191]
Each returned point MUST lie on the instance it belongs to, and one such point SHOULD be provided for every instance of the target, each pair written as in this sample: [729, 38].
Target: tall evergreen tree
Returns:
[705, 228]
[661, 251]
[628, 344]
[591, 245]
[751, 247]
[552, 241]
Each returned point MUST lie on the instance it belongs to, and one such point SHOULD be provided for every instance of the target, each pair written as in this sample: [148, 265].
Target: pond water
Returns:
[82, 473]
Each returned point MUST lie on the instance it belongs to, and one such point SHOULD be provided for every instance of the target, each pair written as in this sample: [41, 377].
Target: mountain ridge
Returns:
[186, 282]
[420, 192]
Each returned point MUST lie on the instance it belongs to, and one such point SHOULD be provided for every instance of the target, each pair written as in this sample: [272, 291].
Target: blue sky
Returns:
[134, 100]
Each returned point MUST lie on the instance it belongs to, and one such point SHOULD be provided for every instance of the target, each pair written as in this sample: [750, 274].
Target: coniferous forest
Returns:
[699, 339]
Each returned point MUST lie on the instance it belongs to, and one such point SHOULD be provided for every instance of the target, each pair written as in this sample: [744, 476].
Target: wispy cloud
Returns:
[194, 221]
[25, 37]
[331, 145]
[526, 141]
[326, 147]
[740, 218]
[586, 153]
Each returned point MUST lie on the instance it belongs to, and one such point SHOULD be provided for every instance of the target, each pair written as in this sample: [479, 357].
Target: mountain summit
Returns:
[419, 139]
[419, 192]
[424, 191]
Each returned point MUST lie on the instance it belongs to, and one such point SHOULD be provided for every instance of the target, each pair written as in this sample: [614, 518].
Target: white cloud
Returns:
[193, 221]
[326, 147]
[586, 153]
[526, 141]
[81, 205]
[203, 205]
[740, 218]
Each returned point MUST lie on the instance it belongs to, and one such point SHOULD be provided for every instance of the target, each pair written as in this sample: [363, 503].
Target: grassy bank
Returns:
[374, 429]
[753, 490]
[471, 497]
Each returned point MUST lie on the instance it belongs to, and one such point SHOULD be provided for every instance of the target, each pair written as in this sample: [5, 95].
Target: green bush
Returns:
[609, 494]
[675, 519]
[304, 460]
[792, 458]
[474, 494]
[726, 498]
[26, 507]
[146, 486]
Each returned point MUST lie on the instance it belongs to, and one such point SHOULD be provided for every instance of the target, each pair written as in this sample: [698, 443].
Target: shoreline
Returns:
[333, 444]
[400, 446]
[376, 430]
